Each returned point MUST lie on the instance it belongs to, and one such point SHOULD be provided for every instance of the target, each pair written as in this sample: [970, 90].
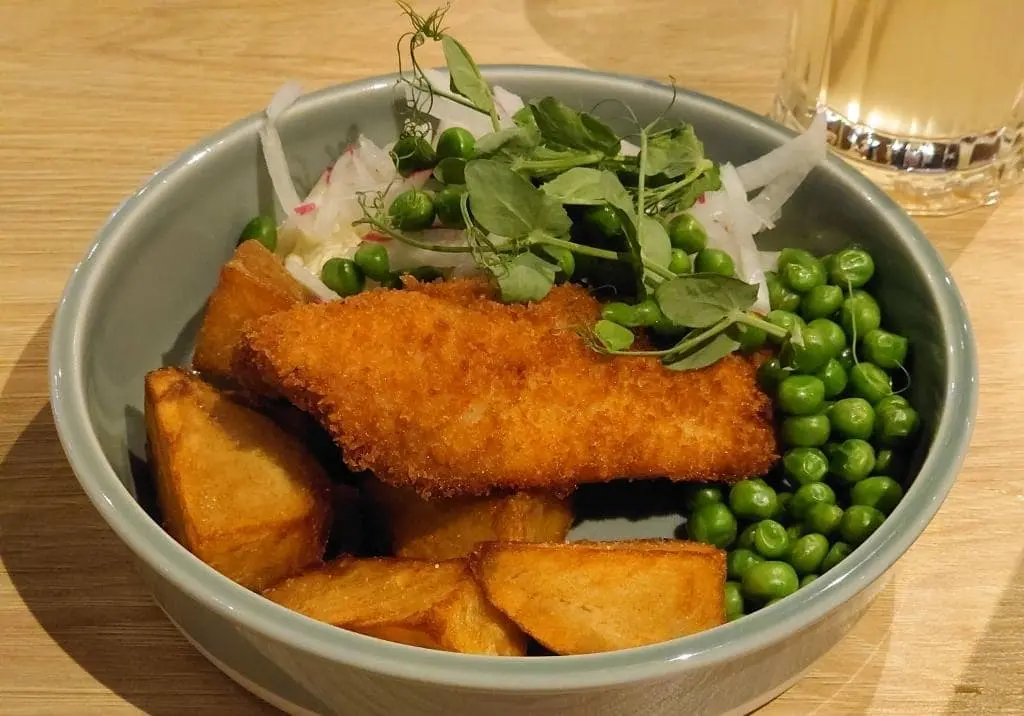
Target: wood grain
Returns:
[96, 95]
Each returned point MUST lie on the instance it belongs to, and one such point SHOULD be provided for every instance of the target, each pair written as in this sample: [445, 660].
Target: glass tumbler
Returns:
[925, 96]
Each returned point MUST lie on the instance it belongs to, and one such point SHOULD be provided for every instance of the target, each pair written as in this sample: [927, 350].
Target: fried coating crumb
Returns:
[442, 388]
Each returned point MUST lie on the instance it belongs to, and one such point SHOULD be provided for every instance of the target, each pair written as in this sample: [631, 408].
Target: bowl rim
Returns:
[151, 544]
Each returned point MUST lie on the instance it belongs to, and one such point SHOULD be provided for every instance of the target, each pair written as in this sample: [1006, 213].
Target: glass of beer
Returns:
[925, 96]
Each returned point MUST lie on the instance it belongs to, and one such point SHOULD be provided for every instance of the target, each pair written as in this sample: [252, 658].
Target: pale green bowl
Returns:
[132, 305]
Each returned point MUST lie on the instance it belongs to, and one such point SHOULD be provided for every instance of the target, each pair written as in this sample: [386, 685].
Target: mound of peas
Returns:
[843, 428]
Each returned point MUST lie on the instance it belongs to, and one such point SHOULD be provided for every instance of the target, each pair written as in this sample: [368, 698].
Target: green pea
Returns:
[780, 297]
[343, 277]
[846, 359]
[805, 464]
[836, 554]
[746, 538]
[823, 518]
[603, 220]
[895, 424]
[451, 170]
[740, 561]
[833, 333]
[614, 336]
[892, 400]
[851, 267]
[810, 494]
[802, 277]
[372, 260]
[884, 349]
[884, 461]
[687, 234]
[870, 382]
[770, 539]
[882, 493]
[852, 461]
[448, 206]
[801, 395]
[392, 281]
[706, 494]
[770, 374]
[807, 579]
[713, 524]
[456, 143]
[806, 430]
[714, 261]
[733, 601]
[794, 532]
[808, 553]
[833, 376]
[752, 500]
[859, 314]
[853, 418]
[783, 319]
[647, 313]
[799, 257]
[412, 210]
[618, 312]
[565, 259]
[262, 229]
[750, 338]
[859, 523]
[821, 302]
[808, 353]
[770, 580]
[680, 262]
[413, 154]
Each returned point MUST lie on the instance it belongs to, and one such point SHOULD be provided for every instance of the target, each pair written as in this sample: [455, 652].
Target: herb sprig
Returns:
[529, 179]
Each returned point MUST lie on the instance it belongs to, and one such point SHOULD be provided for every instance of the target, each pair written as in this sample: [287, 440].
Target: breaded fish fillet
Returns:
[446, 390]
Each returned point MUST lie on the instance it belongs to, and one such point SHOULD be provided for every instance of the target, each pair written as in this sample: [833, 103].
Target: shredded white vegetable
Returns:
[319, 227]
[273, 152]
[308, 279]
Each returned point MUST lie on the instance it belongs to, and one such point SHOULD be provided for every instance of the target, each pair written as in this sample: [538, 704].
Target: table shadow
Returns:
[988, 683]
[78, 580]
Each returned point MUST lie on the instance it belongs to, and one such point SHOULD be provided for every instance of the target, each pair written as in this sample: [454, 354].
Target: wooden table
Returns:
[96, 95]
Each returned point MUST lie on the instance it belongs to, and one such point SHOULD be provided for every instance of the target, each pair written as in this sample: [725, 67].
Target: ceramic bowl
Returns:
[134, 302]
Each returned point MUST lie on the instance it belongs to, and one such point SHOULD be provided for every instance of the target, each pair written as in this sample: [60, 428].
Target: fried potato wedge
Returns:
[447, 528]
[436, 605]
[587, 597]
[253, 283]
[236, 490]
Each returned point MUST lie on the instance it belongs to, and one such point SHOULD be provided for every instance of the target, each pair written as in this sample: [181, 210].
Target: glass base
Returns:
[925, 178]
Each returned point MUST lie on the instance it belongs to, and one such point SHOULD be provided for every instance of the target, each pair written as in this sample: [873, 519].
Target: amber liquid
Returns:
[948, 72]
[936, 69]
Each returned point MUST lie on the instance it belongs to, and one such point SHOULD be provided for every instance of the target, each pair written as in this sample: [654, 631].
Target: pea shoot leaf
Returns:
[587, 186]
[674, 152]
[655, 245]
[613, 336]
[711, 352]
[527, 277]
[507, 204]
[563, 126]
[699, 300]
[524, 118]
[687, 196]
[513, 141]
[465, 75]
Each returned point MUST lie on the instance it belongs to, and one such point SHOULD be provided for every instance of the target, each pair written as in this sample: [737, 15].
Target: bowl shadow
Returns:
[986, 685]
[77, 579]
